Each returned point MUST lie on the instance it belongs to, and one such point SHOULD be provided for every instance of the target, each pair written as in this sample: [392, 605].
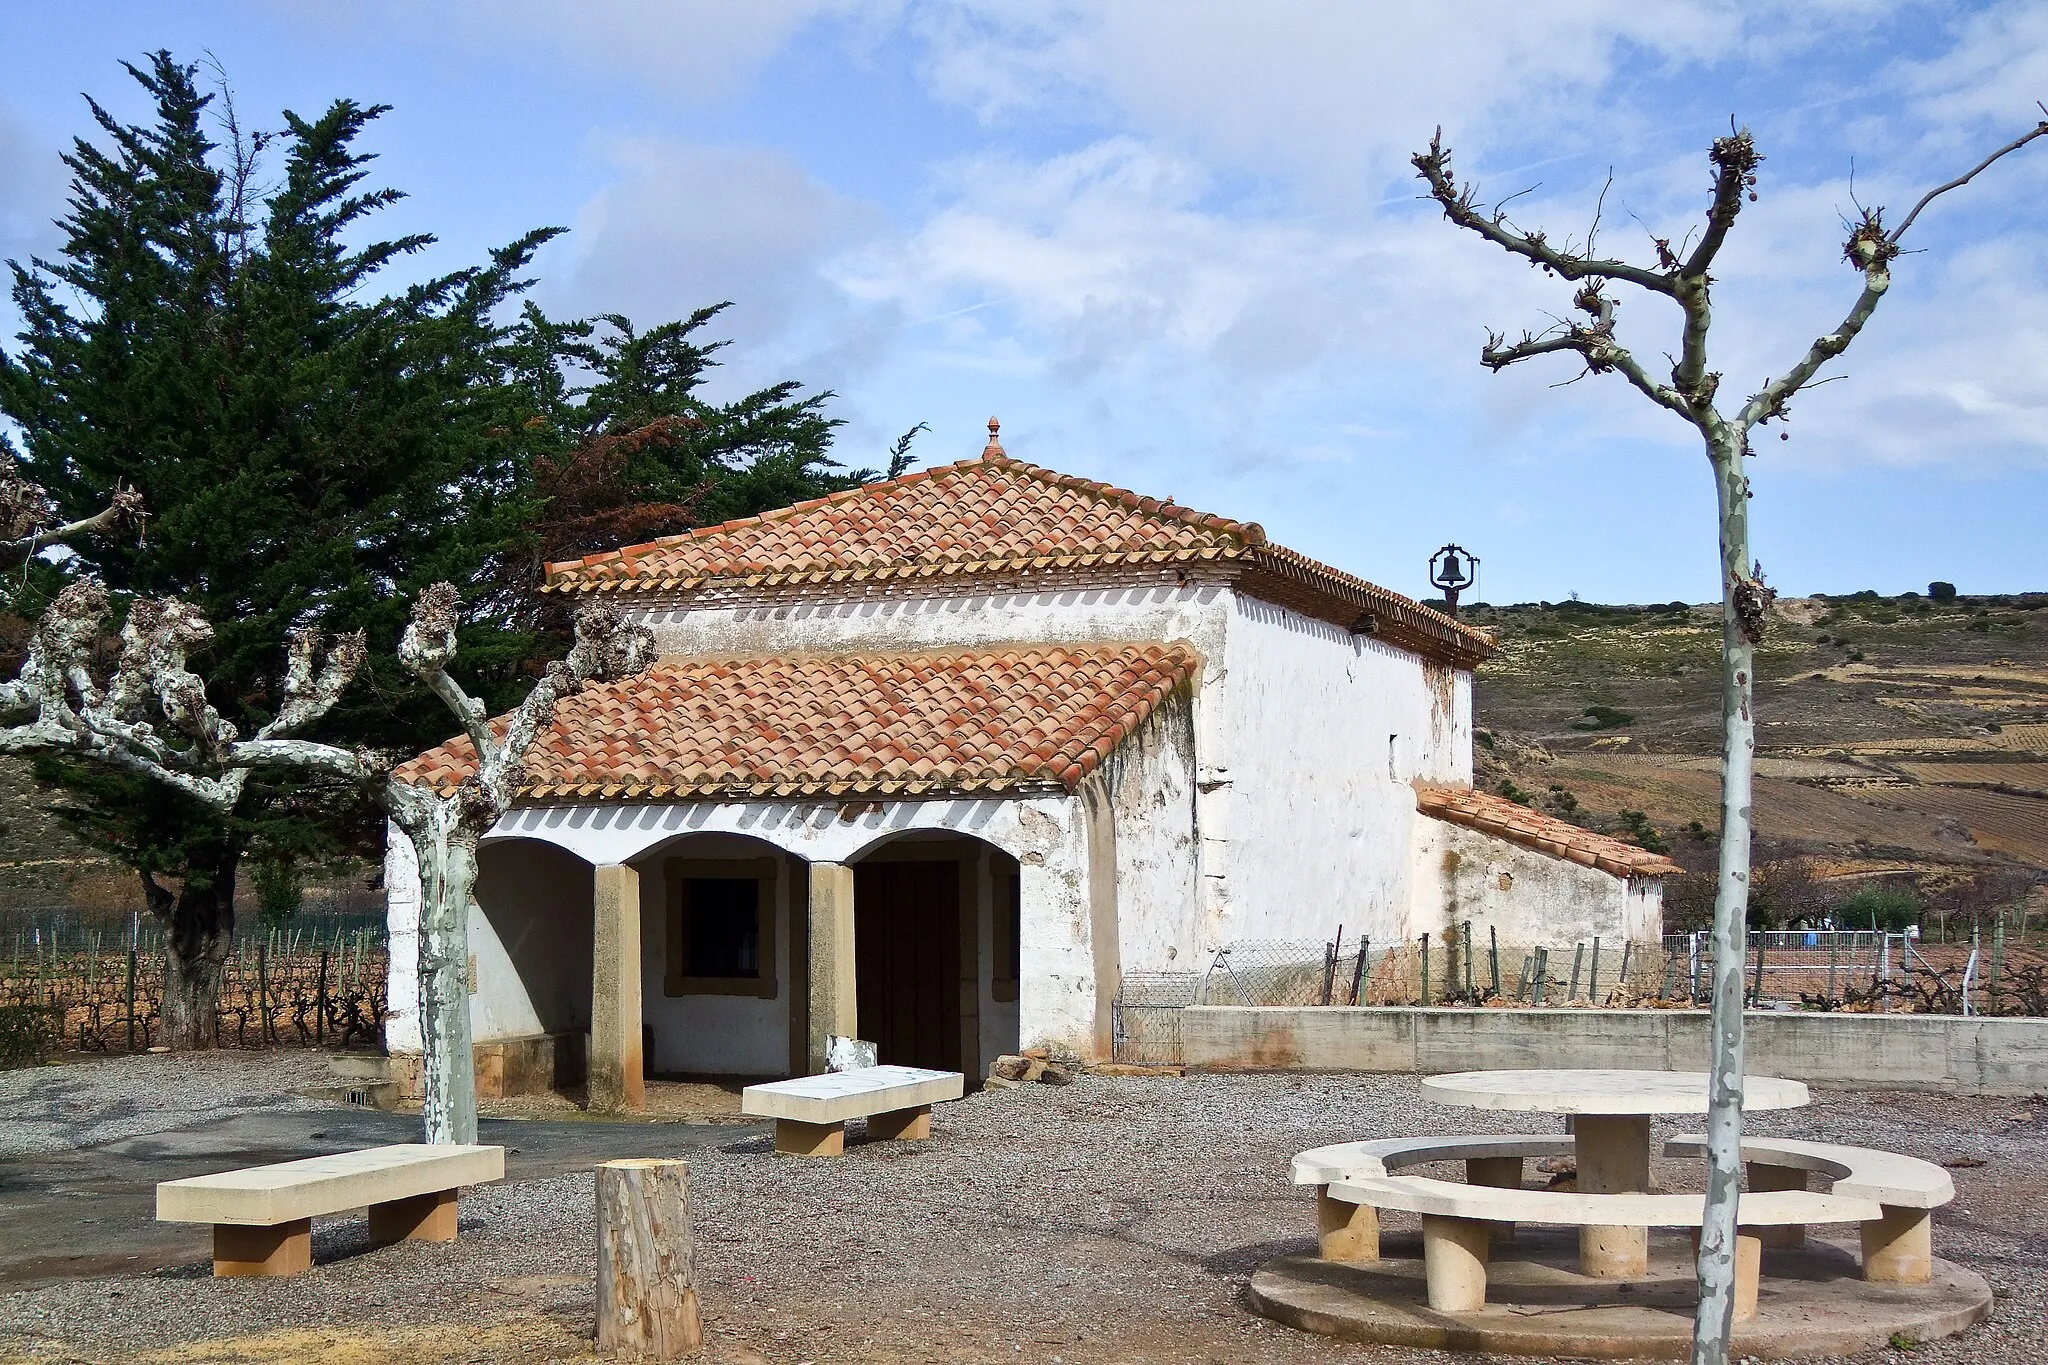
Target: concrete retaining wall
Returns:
[1883, 1051]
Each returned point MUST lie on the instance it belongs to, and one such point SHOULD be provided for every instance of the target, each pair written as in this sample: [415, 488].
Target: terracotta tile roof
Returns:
[849, 725]
[1505, 819]
[999, 516]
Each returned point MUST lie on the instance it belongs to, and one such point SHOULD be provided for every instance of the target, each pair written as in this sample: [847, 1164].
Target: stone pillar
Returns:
[617, 1070]
[832, 978]
[1613, 1152]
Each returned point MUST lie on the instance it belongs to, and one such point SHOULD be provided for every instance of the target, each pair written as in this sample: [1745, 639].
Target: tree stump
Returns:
[646, 1279]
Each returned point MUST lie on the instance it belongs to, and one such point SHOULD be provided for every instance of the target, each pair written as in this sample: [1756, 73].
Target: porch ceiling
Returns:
[1014, 722]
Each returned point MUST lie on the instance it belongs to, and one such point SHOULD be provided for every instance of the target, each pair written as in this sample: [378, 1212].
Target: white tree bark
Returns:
[151, 717]
[1745, 600]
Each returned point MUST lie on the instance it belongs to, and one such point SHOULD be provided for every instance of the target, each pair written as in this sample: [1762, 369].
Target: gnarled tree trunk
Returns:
[199, 933]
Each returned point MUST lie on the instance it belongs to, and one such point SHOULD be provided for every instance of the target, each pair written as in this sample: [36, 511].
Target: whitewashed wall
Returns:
[1152, 790]
[1307, 813]
[1523, 896]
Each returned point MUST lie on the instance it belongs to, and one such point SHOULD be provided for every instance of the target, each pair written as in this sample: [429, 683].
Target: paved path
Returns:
[92, 1211]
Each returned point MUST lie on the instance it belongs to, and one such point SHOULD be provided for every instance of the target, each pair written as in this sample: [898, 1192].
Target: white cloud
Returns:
[682, 226]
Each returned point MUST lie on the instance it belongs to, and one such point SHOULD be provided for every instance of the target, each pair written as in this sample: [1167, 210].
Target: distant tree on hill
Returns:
[1691, 391]
[1941, 592]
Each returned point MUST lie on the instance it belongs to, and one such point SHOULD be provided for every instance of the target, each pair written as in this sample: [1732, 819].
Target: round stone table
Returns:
[1610, 1115]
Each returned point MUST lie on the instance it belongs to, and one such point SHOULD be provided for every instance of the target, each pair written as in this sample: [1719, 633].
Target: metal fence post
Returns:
[1578, 961]
[1425, 970]
[1493, 954]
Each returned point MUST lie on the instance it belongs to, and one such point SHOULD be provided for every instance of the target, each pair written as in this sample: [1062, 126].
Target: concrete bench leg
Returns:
[422, 1218]
[1749, 1268]
[1496, 1172]
[809, 1139]
[906, 1124]
[282, 1249]
[1899, 1247]
[1346, 1231]
[1762, 1178]
[1454, 1262]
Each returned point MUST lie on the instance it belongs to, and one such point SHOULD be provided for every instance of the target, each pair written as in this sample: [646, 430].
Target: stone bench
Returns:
[262, 1216]
[1458, 1223]
[1898, 1246]
[810, 1112]
[1348, 1231]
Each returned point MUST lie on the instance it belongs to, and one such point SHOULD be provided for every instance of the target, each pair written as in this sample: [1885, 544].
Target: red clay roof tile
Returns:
[993, 516]
[847, 725]
[1546, 834]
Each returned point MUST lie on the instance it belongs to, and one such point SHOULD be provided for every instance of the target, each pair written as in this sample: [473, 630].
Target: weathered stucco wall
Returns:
[1892, 1051]
[1307, 814]
[1162, 613]
[529, 933]
[1525, 897]
[1150, 783]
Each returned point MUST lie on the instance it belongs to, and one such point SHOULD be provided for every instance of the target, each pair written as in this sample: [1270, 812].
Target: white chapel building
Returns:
[935, 761]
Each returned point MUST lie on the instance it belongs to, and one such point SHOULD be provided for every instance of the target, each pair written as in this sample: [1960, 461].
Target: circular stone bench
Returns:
[1898, 1245]
[1350, 1231]
[1458, 1223]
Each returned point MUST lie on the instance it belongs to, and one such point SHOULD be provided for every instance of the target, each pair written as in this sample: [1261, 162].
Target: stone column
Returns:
[832, 978]
[617, 1070]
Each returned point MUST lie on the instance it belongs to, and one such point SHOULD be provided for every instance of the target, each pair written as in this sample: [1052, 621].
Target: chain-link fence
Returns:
[1822, 969]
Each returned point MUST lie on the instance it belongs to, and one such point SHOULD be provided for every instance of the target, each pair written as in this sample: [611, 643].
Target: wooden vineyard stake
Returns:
[646, 1276]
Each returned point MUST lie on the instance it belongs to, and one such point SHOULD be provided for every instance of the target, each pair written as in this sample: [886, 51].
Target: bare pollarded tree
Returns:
[150, 717]
[1692, 392]
[445, 826]
[28, 524]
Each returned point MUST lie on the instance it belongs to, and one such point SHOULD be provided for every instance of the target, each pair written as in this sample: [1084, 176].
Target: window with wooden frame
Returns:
[1007, 936]
[721, 927]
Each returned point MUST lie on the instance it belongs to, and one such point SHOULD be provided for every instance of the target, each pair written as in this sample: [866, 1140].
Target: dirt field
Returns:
[1894, 730]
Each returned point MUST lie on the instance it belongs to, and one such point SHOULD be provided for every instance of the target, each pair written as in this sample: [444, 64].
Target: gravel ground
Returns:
[1114, 1220]
[55, 1108]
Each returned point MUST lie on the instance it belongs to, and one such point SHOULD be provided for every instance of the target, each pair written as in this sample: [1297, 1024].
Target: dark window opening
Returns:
[723, 926]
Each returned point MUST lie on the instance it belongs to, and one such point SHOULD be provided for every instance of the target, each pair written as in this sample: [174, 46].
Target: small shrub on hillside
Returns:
[1893, 908]
[1601, 718]
[1513, 793]
[1636, 828]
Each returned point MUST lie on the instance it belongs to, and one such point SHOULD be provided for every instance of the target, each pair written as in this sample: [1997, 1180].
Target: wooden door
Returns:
[907, 961]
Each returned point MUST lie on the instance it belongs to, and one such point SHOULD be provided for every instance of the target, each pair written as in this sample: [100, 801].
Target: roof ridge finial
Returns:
[994, 449]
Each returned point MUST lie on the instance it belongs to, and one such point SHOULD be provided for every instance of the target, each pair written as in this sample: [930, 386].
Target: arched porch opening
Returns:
[530, 946]
[936, 947]
[724, 957]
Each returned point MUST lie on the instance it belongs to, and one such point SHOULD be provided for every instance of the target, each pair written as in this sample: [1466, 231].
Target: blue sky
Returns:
[1177, 245]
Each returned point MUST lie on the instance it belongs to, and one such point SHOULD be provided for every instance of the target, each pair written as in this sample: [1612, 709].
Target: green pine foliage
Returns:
[310, 448]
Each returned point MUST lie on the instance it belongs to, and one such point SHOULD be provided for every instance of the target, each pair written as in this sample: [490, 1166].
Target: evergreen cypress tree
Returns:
[308, 452]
